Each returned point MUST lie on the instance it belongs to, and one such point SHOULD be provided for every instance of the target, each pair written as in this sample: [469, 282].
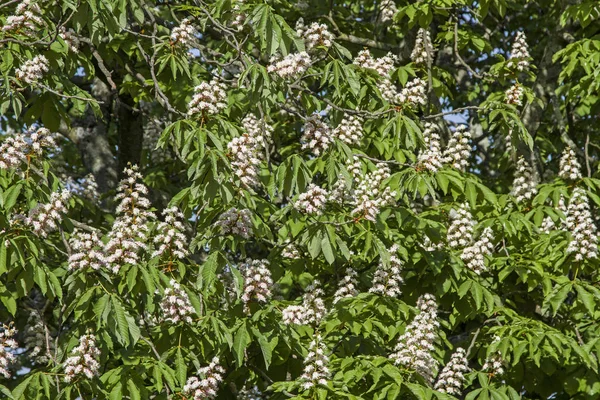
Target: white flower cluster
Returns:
[257, 281]
[35, 339]
[184, 34]
[347, 286]
[292, 65]
[312, 201]
[416, 345]
[7, 346]
[423, 45]
[369, 195]
[236, 222]
[70, 38]
[452, 377]
[13, 151]
[87, 251]
[431, 157]
[458, 151]
[584, 241]
[340, 193]
[474, 255]
[387, 10]
[387, 279]
[514, 95]
[519, 55]
[45, 218]
[130, 230]
[414, 93]
[316, 371]
[175, 304]
[383, 65]
[524, 186]
[429, 245]
[170, 237]
[208, 386]
[570, 169]
[290, 251]
[40, 139]
[209, 98]
[350, 129]
[315, 35]
[460, 231]
[85, 187]
[317, 135]
[494, 363]
[246, 150]
[33, 70]
[26, 20]
[312, 309]
[548, 225]
[239, 17]
[83, 360]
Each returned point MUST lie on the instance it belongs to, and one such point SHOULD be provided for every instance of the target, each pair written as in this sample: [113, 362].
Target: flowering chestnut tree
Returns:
[366, 199]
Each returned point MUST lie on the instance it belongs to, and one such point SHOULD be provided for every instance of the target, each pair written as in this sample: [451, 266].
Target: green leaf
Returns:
[241, 340]
[180, 367]
[121, 320]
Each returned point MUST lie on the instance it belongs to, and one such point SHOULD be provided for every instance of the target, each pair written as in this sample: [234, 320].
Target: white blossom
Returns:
[422, 46]
[247, 151]
[209, 98]
[130, 230]
[290, 251]
[452, 377]
[524, 185]
[317, 135]
[460, 231]
[70, 38]
[239, 17]
[347, 286]
[87, 251]
[474, 255]
[170, 235]
[371, 195]
[33, 70]
[431, 157]
[257, 281]
[236, 222]
[208, 386]
[46, 217]
[250, 393]
[458, 151]
[312, 201]
[519, 55]
[184, 34]
[312, 309]
[292, 65]
[494, 363]
[387, 279]
[350, 129]
[414, 93]
[570, 169]
[13, 151]
[584, 241]
[514, 95]
[315, 35]
[83, 361]
[316, 370]
[26, 20]
[548, 225]
[416, 345]
[175, 305]
[387, 10]
[7, 347]
[383, 65]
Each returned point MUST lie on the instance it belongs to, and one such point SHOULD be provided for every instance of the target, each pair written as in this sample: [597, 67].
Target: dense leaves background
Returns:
[129, 81]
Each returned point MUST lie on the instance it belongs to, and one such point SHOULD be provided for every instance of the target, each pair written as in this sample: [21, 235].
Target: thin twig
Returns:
[460, 59]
